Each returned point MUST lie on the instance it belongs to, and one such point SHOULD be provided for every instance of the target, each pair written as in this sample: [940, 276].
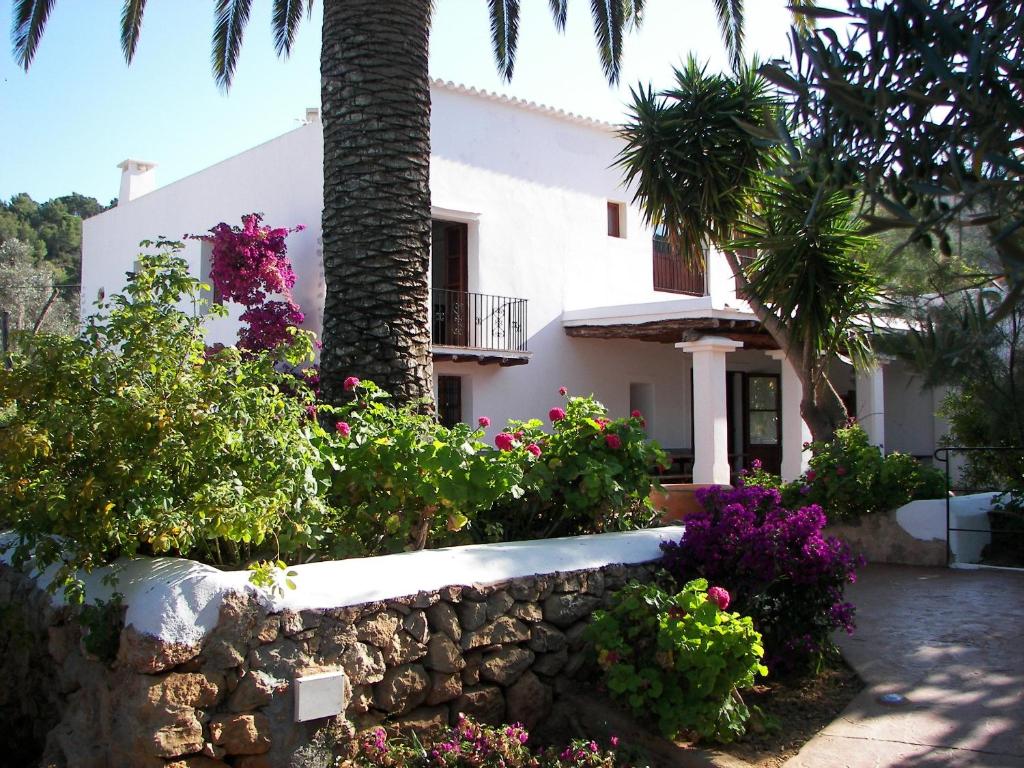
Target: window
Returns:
[641, 398]
[673, 273]
[449, 400]
[616, 223]
[205, 265]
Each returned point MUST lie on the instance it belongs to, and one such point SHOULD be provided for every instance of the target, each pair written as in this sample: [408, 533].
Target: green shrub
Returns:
[588, 475]
[848, 477]
[131, 439]
[398, 479]
[679, 658]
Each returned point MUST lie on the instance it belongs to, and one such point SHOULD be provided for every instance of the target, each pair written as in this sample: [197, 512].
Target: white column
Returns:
[795, 431]
[710, 409]
[871, 404]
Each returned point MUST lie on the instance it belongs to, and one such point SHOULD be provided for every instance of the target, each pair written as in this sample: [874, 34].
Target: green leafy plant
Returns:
[399, 480]
[132, 438]
[849, 477]
[588, 475]
[679, 658]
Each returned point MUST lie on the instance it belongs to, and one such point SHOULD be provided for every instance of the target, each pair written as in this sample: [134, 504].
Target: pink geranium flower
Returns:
[811, 475]
[484, 422]
[613, 441]
[534, 449]
[504, 441]
[719, 597]
[351, 383]
[563, 391]
[636, 414]
[343, 428]
[556, 414]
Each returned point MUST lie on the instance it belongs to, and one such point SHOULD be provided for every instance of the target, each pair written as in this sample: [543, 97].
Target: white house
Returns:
[543, 276]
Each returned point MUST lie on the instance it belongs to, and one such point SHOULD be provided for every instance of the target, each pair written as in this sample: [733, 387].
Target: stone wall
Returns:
[496, 651]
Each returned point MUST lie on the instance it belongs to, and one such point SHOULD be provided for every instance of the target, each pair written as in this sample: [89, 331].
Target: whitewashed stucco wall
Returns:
[533, 188]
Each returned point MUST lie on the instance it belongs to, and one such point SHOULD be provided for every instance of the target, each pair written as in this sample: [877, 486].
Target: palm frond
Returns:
[609, 19]
[285, 23]
[131, 25]
[730, 22]
[809, 271]
[559, 10]
[504, 34]
[27, 25]
[687, 157]
[229, 26]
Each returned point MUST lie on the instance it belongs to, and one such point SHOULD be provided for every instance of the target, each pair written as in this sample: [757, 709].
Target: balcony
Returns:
[478, 327]
[672, 275]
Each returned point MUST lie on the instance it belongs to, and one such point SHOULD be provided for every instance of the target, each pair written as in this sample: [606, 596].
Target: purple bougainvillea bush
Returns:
[776, 565]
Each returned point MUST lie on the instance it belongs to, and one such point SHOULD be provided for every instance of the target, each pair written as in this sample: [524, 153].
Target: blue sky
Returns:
[80, 110]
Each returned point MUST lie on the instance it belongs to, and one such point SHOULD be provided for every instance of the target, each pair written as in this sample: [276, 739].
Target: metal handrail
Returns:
[946, 451]
[478, 320]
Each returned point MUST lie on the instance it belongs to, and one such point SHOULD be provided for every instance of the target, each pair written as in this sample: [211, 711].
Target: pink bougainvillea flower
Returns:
[556, 414]
[614, 441]
[504, 441]
[602, 422]
[563, 391]
[351, 383]
[343, 428]
[720, 597]
[614, 741]
[534, 449]
[484, 422]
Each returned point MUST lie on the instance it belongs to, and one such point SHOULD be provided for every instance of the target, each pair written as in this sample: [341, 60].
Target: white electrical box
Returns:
[319, 695]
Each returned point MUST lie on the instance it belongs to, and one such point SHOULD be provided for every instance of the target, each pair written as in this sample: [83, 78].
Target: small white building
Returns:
[543, 276]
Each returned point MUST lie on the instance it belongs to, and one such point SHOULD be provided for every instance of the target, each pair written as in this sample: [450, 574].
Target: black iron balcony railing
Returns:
[478, 321]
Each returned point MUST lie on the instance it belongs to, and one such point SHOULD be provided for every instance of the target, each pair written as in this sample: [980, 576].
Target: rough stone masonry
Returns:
[495, 652]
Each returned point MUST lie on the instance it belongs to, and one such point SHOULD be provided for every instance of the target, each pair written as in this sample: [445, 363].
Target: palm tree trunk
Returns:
[375, 94]
[821, 408]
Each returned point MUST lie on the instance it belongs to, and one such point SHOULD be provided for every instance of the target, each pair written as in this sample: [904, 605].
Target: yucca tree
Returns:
[703, 164]
[375, 95]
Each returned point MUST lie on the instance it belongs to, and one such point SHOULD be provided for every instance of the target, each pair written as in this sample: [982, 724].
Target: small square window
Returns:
[616, 223]
[205, 265]
[449, 400]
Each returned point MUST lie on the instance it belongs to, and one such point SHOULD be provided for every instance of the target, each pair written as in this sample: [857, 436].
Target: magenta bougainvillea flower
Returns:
[343, 428]
[247, 265]
[556, 414]
[351, 383]
[720, 597]
[504, 441]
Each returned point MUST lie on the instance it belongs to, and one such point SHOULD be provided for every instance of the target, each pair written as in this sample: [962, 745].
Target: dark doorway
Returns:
[450, 276]
[762, 420]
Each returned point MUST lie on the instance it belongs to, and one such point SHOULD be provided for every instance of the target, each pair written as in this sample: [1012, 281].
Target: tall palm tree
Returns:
[704, 164]
[375, 94]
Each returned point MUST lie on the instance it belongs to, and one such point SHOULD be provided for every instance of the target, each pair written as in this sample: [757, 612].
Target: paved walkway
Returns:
[952, 643]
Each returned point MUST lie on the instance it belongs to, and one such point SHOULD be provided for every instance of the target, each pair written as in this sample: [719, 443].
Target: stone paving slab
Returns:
[952, 643]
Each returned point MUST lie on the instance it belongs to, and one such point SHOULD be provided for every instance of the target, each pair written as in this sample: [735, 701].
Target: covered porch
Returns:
[740, 397]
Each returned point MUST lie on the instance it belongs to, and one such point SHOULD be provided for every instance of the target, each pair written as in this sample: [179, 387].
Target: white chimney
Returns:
[137, 178]
[312, 115]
